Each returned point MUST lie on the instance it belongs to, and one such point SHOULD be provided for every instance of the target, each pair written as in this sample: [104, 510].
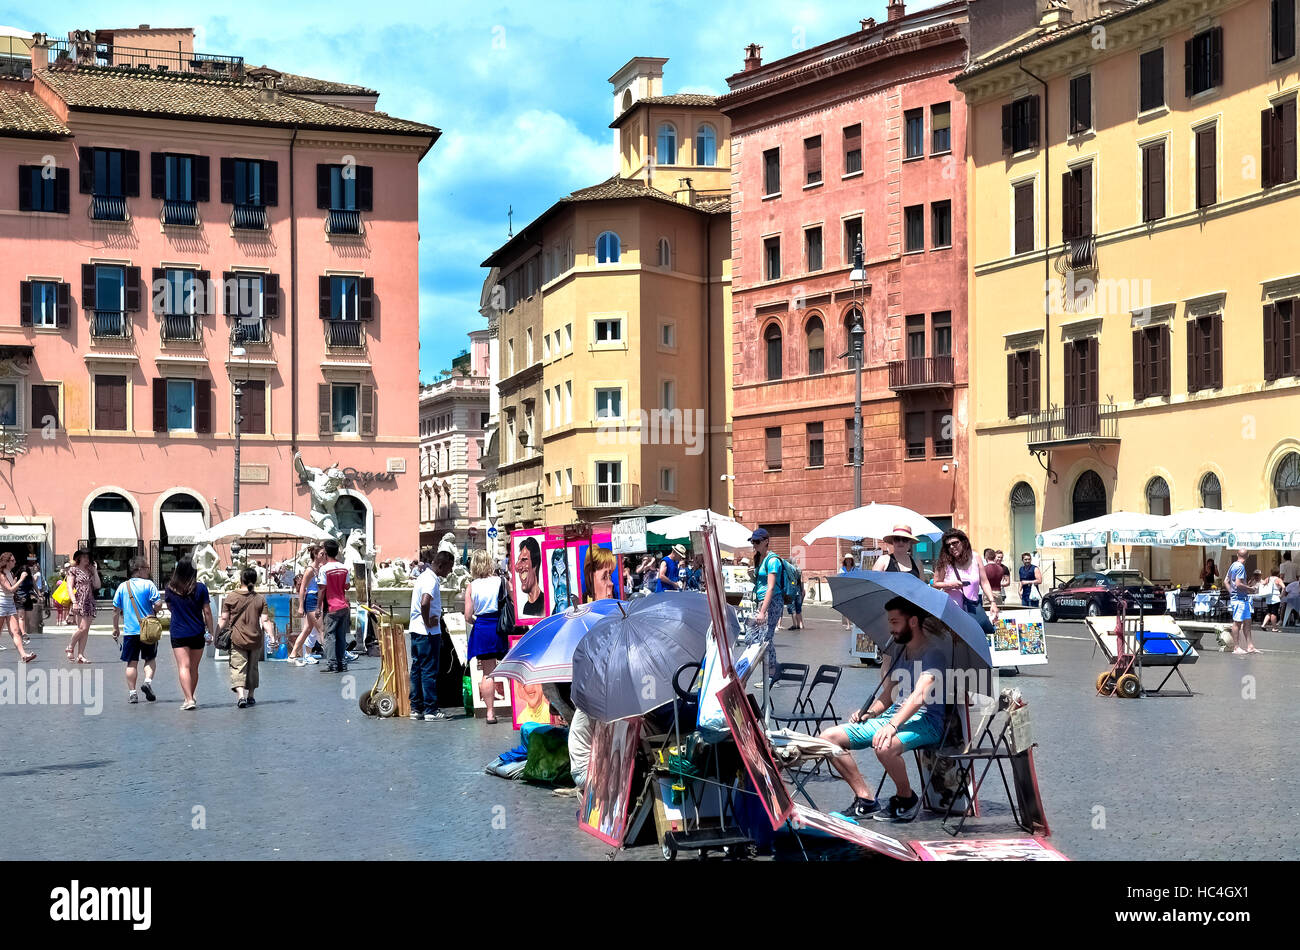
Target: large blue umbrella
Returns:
[624, 667]
[861, 596]
[545, 653]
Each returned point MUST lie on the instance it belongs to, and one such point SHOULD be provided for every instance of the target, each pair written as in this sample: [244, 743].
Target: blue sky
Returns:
[519, 90]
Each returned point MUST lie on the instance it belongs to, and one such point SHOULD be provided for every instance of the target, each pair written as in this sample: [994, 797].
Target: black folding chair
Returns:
[806, 715]
[792, 674]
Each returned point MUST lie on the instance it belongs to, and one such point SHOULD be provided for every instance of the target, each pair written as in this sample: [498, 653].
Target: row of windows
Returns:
[926, 434]
[706, 145]
[1152, 359]
[814, 331]
[523, 282]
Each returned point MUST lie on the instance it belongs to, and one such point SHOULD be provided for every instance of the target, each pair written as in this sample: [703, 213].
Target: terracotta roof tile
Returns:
[99, 89]
[23, 115]
[689, 99]
[615, 188]
[298, 84]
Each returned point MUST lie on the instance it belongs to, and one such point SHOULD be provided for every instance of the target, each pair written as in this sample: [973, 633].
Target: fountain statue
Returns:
[324, 485]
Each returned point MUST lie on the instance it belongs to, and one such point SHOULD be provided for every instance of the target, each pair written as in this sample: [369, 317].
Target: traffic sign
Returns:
[492, 533]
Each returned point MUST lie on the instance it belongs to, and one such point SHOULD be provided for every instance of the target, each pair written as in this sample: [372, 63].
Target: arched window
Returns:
[665, 253]
[627, 99]
[1157, 496]
[666, 152]
[113, 539]
[608, 248]
[1286, 481]
[772, 338]
[1211, 492]
[816, 335]
[182, 518]
[706, 145]
[1023, 514]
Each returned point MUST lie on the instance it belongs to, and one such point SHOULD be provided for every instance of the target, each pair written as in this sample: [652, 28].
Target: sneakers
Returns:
[349, 656]
[343, 668]
[417, 716]
[131, 697]
[188, 705]
[900, 809]
[306, 661]
[242, 703]
[331, 668]
[252, 701]
[862, 808]
[147, 688]
[436, 716]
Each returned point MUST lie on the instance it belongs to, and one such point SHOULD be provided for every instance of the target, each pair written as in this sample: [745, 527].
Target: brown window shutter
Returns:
[64, 310]
[1193, 356]
[1271, 355]
[227, 171]
[324, 408]
[365, 188]
[1024, 218]
[365, 298]
[1216, 351]
[1139, 365]
[1216, 56]
[1069, 208]
[24, 187]
[1035, 383]
[1093, 387]
[1294, 313]
[157, 175]
[1156, 154]
[1287, 146]
[1085, 226]
[86, 172]
[270, 184]
[88, 286]
[253, 407]
[813, 159]
[367, 399]
[204, 302]
[1033, 122]
[1267, 153]
[323, 186]
[271, 295]
[1013, 390]
[131, 174]
[202, 405]
[1188, 60]
[160, 405]
[323, 285]
[1205, 168]
[1165, 360]
[157, 299]
[202, 178]
[1006, 127]
[1147, 162]
[62, 190]
[133, 289]
[25, 303]
[230, 291]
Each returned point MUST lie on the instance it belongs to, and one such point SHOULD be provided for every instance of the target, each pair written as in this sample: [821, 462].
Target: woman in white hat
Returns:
[901, 540]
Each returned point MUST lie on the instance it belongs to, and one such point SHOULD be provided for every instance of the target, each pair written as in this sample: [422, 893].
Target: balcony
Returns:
[1089, 422]
[927, 372]
[1080, 254]
[248, 218]
[183, 213]
[109, 325]
[608, 496]
[345, 337]
[180, 328]
[249, 331]
[88, 51]
[108, 208]
[343, 222]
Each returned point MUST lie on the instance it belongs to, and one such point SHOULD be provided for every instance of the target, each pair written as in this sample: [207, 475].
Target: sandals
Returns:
[82, 659]
[29, 657]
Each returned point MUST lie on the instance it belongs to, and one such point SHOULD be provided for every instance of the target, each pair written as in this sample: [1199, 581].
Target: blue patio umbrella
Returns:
[545, 653]
[624, 666]
[861, 596]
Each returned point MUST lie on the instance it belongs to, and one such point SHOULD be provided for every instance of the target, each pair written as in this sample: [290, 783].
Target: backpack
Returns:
[789, 582]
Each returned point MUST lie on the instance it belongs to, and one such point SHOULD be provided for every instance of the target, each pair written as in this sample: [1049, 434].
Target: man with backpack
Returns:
[769, 594]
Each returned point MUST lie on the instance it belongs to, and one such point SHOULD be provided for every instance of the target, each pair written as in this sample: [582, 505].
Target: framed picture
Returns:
[608, 792]
[751, 741]
[529, 703]
[811, 819]
[529, 574]
[987, 849]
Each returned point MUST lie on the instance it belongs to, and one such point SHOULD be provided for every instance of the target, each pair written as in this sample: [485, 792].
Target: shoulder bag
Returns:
[150, 626]
[505, 611]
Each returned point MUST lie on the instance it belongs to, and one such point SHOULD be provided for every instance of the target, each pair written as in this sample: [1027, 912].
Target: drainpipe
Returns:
[293, 305]
[1047, 239]
[708, 360]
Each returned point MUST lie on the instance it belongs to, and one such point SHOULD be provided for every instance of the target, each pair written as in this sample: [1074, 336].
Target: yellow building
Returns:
[1135, 274]
[615, 332]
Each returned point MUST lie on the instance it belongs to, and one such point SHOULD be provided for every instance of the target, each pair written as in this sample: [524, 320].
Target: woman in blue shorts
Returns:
[191, 625]
[308, 605]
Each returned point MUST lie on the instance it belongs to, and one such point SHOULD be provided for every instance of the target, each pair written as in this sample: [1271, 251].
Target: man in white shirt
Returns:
[425, 628]
[1288, 569]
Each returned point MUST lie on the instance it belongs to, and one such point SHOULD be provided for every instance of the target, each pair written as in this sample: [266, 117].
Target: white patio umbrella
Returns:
[1118, 527]
[731, 533]
[873, 521]
[1275, 529]
[263, 524]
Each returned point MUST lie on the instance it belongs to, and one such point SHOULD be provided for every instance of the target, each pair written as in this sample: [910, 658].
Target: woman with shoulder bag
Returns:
[960, 573]
[483, 608]
[245, 617]
[191, 626]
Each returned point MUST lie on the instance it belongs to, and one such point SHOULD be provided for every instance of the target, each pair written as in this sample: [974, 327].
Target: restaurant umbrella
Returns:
[545, 653]
[873, 521]
[624, 666]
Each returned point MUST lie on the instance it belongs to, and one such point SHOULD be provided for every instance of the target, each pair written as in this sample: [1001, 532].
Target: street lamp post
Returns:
[856, 335]
[237, 352]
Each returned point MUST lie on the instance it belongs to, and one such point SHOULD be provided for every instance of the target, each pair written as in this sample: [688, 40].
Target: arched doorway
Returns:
[1088, 500]
[1023, 518]
[181, 518]
[1157, 492]
[113, 539]
[1286, 481]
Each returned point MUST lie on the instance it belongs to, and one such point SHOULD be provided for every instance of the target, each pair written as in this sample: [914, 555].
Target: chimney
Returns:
[1107, 7]
[896, 10]
[40, 51]
[753, 57]
[1056, 14]
[686, 188]
[868, 23]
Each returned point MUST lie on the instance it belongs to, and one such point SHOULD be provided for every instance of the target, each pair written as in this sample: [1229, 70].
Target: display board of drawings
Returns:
[1018, 638]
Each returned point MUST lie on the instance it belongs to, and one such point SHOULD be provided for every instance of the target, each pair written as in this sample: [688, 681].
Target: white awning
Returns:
[22, 533]
[114, 529]
[183, 527]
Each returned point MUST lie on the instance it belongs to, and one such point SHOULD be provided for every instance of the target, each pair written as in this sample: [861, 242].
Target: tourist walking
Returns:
[900, 559]
[425, 628]
[995, 572]
[9, 615]
[487, 643]
[1272, 589]
[960, 573]
[309, 607]
[770, 599]
[191, 627]
[82, 577]
[136, 597]
[1239, 599]
[333, 579]
[1030, 577]
[248, 618]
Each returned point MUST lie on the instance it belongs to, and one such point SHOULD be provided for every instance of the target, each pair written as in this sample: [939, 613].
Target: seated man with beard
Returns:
[908, 713]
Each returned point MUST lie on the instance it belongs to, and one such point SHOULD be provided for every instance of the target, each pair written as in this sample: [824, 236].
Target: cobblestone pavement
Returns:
[304, 775]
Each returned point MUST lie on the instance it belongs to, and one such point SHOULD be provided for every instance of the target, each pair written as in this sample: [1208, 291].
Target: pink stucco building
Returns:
[173, 223]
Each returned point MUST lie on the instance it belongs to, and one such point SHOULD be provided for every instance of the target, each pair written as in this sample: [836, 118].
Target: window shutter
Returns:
[1013, 402]
[1093, 387]
[271, 295]
[133, 289]
[270, 184]
[1033, 122]
[1193, 356]
[1188, 59]
[365, 298]
[202, 178]
[1283, 30]
[25, 187]
[1271, 340]
[160, 405]
[1157, 154]
[1024, 218]
[1069, 213]
[365, 188]
[1164, 373]
[1205, 168]
[1287, 145]
[1034, 382]
[1294, 368]
[156, 299]
[813, 159]
[1267, 155]
[323, 406]
[64, 308]
[1147, 198]
[157, 175]
[1216, 56]
[367, 398]
[323, 186]
[252, 405]
[202, 405]
[1216, 350]
[1084, 225]
[228, 181]
[62, 190]
[1006, 127]
[86, 169]
[131, 174]
[323, 284]
[25, 303]
[230, 290]
[88, 286]
[1081, 104]
[1139, 366]
[204, 302]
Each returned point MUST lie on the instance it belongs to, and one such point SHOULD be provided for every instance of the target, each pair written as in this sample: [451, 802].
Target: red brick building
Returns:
[863, 135]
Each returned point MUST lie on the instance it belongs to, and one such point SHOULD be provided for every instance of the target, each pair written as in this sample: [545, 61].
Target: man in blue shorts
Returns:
[1240, 590]
[136, 598]
[908, 714]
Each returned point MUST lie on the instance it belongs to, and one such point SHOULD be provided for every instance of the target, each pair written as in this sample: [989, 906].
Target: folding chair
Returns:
[806, 714]
[793, 673]
[988, 745]
[1157, 648]
[951, 727]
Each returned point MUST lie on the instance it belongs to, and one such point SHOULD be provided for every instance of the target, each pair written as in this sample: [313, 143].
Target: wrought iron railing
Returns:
[1080, 254]
[108, 208]
[607, 495]
[343, 222]
[251, 331]
[179, 212]
[921, 372]
[180, 327]
[85, 51]
[248, 218]
[1084, 422]
[109, 325]
[345, 335]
